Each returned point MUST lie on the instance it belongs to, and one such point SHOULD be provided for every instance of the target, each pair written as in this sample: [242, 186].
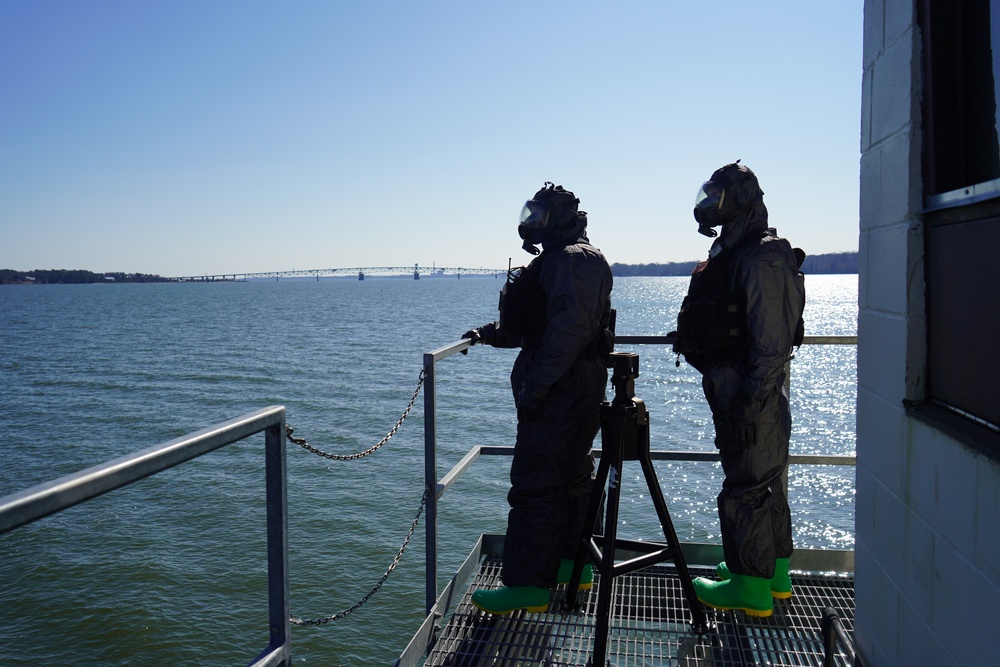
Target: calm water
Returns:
[172, 569]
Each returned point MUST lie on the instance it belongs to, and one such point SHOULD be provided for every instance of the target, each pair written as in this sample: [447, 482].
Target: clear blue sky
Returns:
[221, 136]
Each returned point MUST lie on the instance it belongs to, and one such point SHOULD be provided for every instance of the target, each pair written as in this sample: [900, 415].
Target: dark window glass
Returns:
[962, 221]
[960, 85]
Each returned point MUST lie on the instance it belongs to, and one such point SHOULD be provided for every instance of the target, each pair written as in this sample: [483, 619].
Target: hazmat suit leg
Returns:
[552, 475]
[754, 517]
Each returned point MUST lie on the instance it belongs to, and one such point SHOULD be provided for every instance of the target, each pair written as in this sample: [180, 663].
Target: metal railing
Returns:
[62, 493]
[446, 482]
[835, 638]
[51, 497]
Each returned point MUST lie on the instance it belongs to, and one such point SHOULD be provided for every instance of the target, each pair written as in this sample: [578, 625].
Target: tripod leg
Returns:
[593, 509]
[607, 562]
[698, 619]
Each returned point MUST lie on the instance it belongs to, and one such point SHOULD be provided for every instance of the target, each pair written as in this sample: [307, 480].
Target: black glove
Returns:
[529, 404]
[743, 416]
[486, 334]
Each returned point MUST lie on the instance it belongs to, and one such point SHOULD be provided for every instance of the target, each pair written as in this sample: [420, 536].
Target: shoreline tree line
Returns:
[73, 277]
[840, 262]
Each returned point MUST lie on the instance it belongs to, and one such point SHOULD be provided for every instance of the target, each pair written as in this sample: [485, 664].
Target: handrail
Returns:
[59, 494]
[834, 636]
[430, 444]
[669, 340]
[430, 464]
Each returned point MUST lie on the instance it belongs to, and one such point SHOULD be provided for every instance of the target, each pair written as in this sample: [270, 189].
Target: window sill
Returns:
[976, 436]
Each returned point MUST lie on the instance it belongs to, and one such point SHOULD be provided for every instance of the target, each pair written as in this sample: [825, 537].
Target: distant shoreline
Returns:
[832, 263]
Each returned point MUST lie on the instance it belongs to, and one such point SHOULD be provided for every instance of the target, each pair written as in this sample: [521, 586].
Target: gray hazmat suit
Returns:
[562, 375]
[745, 387]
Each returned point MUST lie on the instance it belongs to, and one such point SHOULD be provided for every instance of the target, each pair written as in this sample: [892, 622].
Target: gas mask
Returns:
[711, 208]
[534, 219]
[545, 215]
[715, 204]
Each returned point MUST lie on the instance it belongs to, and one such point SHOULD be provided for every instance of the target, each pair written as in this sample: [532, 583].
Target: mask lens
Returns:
[533, 215]
[709, 196]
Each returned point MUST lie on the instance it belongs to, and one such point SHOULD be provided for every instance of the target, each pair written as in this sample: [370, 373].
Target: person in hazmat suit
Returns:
[738, 326]
[557, 311]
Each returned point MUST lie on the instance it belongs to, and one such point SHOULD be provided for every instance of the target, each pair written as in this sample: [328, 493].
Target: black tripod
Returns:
[625, 437]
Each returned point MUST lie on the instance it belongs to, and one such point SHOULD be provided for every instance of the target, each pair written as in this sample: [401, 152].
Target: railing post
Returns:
[279, 608]
[64, 492]
[430, 481]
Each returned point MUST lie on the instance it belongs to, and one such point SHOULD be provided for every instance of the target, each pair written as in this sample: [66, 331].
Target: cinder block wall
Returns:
[928, 537]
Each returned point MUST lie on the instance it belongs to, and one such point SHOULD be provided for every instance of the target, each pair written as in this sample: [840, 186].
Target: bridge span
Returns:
[416, 271]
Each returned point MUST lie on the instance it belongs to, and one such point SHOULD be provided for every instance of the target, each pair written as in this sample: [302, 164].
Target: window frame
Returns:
[960, 226]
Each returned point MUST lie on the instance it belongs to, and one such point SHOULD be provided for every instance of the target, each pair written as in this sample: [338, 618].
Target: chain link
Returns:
[301, 442]
[395, 562]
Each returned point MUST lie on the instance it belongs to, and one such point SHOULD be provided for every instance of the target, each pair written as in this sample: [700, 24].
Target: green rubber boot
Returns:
[566, 569]
[781, 582]
[751, 594]
[510, 598]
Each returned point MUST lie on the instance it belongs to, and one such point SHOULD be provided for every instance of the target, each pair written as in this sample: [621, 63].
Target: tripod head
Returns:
[624, 371]
[624, 421]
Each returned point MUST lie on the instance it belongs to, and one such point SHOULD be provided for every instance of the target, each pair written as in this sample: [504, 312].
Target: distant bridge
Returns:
[360, 271]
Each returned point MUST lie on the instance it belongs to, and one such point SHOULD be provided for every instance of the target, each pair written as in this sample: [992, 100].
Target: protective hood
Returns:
[750, 218]
[575, 230]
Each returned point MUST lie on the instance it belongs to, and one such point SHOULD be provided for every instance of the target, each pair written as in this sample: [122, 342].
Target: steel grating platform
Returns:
[649, 626]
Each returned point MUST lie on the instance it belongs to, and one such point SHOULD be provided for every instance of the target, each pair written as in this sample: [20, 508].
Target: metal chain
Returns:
[350, 457]
[395, 562]
[301, 442]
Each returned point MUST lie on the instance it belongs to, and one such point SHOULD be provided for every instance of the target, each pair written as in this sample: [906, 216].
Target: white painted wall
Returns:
[928, 508]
